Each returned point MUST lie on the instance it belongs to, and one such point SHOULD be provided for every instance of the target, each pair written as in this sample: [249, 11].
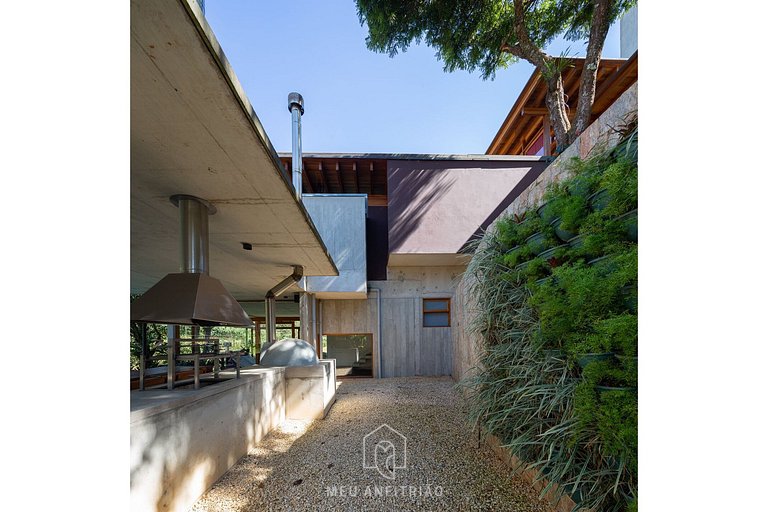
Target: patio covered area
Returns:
[193, 131]
[194, 134]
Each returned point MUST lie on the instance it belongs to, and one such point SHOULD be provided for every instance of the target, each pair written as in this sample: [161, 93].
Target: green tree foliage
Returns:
[146, 335]
[488, 35]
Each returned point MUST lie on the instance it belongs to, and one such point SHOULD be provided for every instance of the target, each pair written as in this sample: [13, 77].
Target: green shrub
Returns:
[616, 420]
[518, 255]
[570, 208]
[511, 232]
[620, 179]
[556, 319]
[507, 233]
[536, 269]
[531, 224]
[618, 334]
[608, 373]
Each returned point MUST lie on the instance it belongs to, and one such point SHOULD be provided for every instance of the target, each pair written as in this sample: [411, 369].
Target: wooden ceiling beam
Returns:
[370, 179]
[516, 143]
[525, 95]
[534, 111]
[377, 200]
[323, 182]
[306, 181]
[620, 80]
[354, 177]
[338, 178]
[547, 130]
[605, 73]
[530, 135]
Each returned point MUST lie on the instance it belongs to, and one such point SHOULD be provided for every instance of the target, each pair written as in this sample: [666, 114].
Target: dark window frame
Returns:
[425, 312]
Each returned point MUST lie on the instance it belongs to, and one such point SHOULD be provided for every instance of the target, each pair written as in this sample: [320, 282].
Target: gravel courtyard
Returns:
[319, 465]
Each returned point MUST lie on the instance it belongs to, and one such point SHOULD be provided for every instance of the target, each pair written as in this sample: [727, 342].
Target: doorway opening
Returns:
[353, 353]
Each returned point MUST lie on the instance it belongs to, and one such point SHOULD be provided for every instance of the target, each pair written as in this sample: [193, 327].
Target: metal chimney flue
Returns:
[296, 107]
[193, 220]
[269, 303]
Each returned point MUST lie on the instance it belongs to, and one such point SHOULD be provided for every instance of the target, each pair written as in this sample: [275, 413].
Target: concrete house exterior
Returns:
[361, 255]
[399, 251]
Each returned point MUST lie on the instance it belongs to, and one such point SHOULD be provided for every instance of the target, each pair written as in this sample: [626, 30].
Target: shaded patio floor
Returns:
[319, 465]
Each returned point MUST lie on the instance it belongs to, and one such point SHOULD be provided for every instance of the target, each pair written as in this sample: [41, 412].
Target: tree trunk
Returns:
[588, 80]
[524, 48]
[558, 112]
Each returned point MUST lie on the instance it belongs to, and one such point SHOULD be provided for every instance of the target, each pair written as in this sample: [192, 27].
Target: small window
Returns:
[437, 312]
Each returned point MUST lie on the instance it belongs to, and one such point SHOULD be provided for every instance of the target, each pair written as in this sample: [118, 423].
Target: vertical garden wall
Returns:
[554, 306]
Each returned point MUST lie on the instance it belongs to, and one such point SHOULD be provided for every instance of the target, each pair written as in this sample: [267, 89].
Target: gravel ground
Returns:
[300, 465]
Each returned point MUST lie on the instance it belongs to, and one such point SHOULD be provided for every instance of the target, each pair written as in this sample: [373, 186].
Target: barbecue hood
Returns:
[190, 297]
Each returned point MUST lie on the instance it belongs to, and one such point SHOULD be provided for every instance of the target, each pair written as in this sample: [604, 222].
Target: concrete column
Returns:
[318, 328]
[318, 341]
[306, 318]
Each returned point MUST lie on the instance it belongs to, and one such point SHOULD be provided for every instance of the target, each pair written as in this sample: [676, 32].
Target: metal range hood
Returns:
[191, 297]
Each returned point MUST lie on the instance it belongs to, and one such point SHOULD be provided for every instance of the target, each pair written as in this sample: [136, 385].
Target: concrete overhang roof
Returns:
[416, 156]
[193, 131]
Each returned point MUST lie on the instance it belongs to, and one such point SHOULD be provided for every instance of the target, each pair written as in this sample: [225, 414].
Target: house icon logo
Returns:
[384, 449]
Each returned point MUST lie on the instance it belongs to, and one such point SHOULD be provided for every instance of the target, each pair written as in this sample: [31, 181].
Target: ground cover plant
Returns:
[557, 382]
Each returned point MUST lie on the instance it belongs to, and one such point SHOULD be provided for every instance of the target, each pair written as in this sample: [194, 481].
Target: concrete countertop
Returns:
[155, 401]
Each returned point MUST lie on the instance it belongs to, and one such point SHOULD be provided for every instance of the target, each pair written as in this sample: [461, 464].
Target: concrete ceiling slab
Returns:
[193, 131]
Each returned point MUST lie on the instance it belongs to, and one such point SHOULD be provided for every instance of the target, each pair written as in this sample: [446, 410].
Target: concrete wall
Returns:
[407, 348]
[182, 441]
[435, 206]
[467, 348]
[628, 33]
[340, 220]
[310, 391]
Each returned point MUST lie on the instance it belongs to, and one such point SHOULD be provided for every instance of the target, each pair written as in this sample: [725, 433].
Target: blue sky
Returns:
[357, 100]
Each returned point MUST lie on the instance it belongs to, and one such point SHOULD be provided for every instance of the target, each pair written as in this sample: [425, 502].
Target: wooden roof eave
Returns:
[514, 113]
[625, 76]
[516, 135]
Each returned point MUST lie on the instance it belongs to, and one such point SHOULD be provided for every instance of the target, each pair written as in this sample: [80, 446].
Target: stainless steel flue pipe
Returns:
[193, 217]
[296, 107]
[277, 290]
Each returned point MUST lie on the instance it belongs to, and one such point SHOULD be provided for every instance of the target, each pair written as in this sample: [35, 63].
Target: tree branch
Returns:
[555, 98]
[513, 50]
[532, 53]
